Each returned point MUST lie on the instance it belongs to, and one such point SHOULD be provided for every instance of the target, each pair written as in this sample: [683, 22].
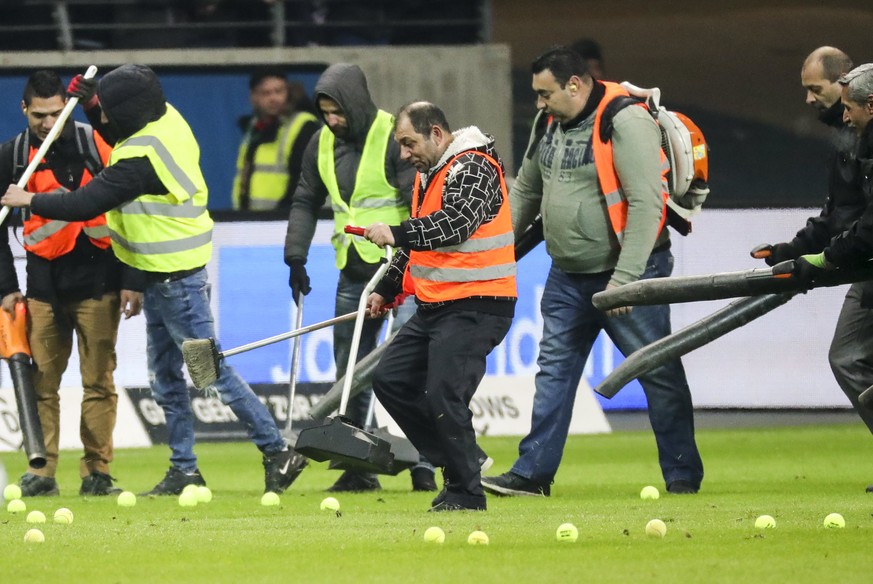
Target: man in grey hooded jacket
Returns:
[353, 162]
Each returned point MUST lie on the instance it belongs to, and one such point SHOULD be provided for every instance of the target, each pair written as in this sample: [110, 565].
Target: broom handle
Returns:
[46, 144]
[289, 334]
[295, 362]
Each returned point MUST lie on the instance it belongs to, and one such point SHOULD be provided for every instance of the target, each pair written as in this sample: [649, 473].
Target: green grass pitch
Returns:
[798, 475]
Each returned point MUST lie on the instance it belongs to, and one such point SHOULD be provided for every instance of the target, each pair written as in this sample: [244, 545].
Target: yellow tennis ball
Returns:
[36, 517]
[16, 506]
[650, 492]
[126, 499]
[567, 532]
[434, 535]
[834, 521]
[12, 491]
[188, 499]
[478, 538]
[204, 495]
[329, 504]
[765, 522]
[34, 536]
[656, 528]
[270, 500]
[63, 516]
[190, 489]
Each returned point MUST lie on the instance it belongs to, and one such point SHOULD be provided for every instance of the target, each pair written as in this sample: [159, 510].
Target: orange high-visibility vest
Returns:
[616, 202]
[484, 265]
[50, 238]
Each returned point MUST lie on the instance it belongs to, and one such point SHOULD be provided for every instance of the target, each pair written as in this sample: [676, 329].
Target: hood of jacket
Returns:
[469, 138]
[346, 85]
[131, 97]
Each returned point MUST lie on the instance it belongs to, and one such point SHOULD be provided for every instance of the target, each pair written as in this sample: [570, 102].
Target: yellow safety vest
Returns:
[269, 180]
[373, 199]
[164, 232]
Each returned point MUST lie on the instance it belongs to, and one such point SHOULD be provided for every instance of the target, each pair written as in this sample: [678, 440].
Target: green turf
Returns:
[798, 475]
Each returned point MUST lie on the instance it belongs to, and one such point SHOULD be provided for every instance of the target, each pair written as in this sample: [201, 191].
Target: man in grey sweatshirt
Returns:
[601, 198]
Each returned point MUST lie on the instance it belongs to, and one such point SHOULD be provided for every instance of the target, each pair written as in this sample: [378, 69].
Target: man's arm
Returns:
[308, 199]
[526, 195]
[8, 277]
[636, 150]
[470, 197]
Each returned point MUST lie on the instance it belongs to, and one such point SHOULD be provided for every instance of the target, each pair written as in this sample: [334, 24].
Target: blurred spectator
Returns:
[271, 152]
[590, 50]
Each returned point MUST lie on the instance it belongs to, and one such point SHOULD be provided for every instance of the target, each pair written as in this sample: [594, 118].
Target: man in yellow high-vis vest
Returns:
[270, 155]
[354, 163]
[154, 197]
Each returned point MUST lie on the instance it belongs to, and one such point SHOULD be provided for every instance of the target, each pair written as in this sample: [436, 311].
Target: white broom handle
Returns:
[46, 144]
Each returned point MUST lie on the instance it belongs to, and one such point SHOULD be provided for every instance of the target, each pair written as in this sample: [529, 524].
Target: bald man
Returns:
[819, 75]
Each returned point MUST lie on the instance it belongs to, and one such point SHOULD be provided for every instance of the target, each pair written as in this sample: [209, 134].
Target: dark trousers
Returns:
[426, 380]
[851, 352]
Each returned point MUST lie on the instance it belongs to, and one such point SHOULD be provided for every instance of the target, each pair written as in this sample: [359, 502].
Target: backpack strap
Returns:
[541, 125]
[87, 147]
[20, 155]
[612, 108]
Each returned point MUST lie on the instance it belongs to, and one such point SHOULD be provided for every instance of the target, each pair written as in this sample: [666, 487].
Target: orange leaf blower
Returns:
[16, 350]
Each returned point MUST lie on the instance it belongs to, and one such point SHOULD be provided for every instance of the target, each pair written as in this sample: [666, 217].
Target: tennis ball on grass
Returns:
[12, 492]
[34, 536]
[567, 532]
[126, 499]
[190, 489]
[204, 495]
[63, 516]
[188, 499]
[16, 506]
[270, 500]
[650, 492]
[765, 522]
[656, 528]
[329, 504]
[478, 538]
[434, 535]
[834, 521]
[36, 517]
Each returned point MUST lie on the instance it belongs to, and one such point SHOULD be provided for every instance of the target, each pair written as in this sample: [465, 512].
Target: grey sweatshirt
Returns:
[559, 180]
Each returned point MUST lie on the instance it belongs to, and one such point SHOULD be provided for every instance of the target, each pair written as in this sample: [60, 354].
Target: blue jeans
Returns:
[570, 327]
[176, 311]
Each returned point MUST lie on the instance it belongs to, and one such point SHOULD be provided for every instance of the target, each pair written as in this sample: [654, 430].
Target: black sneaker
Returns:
[423, 479]
[352, 481]
[447, 506]
[682, 487]
[174, 482]
[282, 469]
[485, 463]
[36, 486]
[510, 484]
[869, 489]
[98, 483]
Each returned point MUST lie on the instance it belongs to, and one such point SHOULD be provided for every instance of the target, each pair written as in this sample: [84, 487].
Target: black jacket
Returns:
[131, 96]
[346, 85]
[845, 202]
[855, 245]
[86, 271]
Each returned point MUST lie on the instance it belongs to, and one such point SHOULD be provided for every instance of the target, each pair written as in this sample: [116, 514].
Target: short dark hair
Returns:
[423, 116]
[562, 62]
[43, 84]
[265, 73]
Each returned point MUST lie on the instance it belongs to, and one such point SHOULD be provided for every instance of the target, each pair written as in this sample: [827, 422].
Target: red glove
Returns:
[85, 90]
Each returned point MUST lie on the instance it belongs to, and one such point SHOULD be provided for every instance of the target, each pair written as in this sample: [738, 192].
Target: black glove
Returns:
[806, 271]
[776, 253]
[84, 89]
[298, 280]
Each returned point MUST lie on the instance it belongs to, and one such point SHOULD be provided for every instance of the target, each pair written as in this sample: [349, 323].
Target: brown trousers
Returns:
[96, 325]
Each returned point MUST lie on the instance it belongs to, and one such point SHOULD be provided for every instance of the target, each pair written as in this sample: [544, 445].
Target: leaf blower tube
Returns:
[16, 350]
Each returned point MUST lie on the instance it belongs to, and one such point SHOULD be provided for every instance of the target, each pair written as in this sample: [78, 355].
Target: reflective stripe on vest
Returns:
[483, 265]
[49, 238]
[373, 199]
[616, 202]
[269, 179]
[164, 232]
